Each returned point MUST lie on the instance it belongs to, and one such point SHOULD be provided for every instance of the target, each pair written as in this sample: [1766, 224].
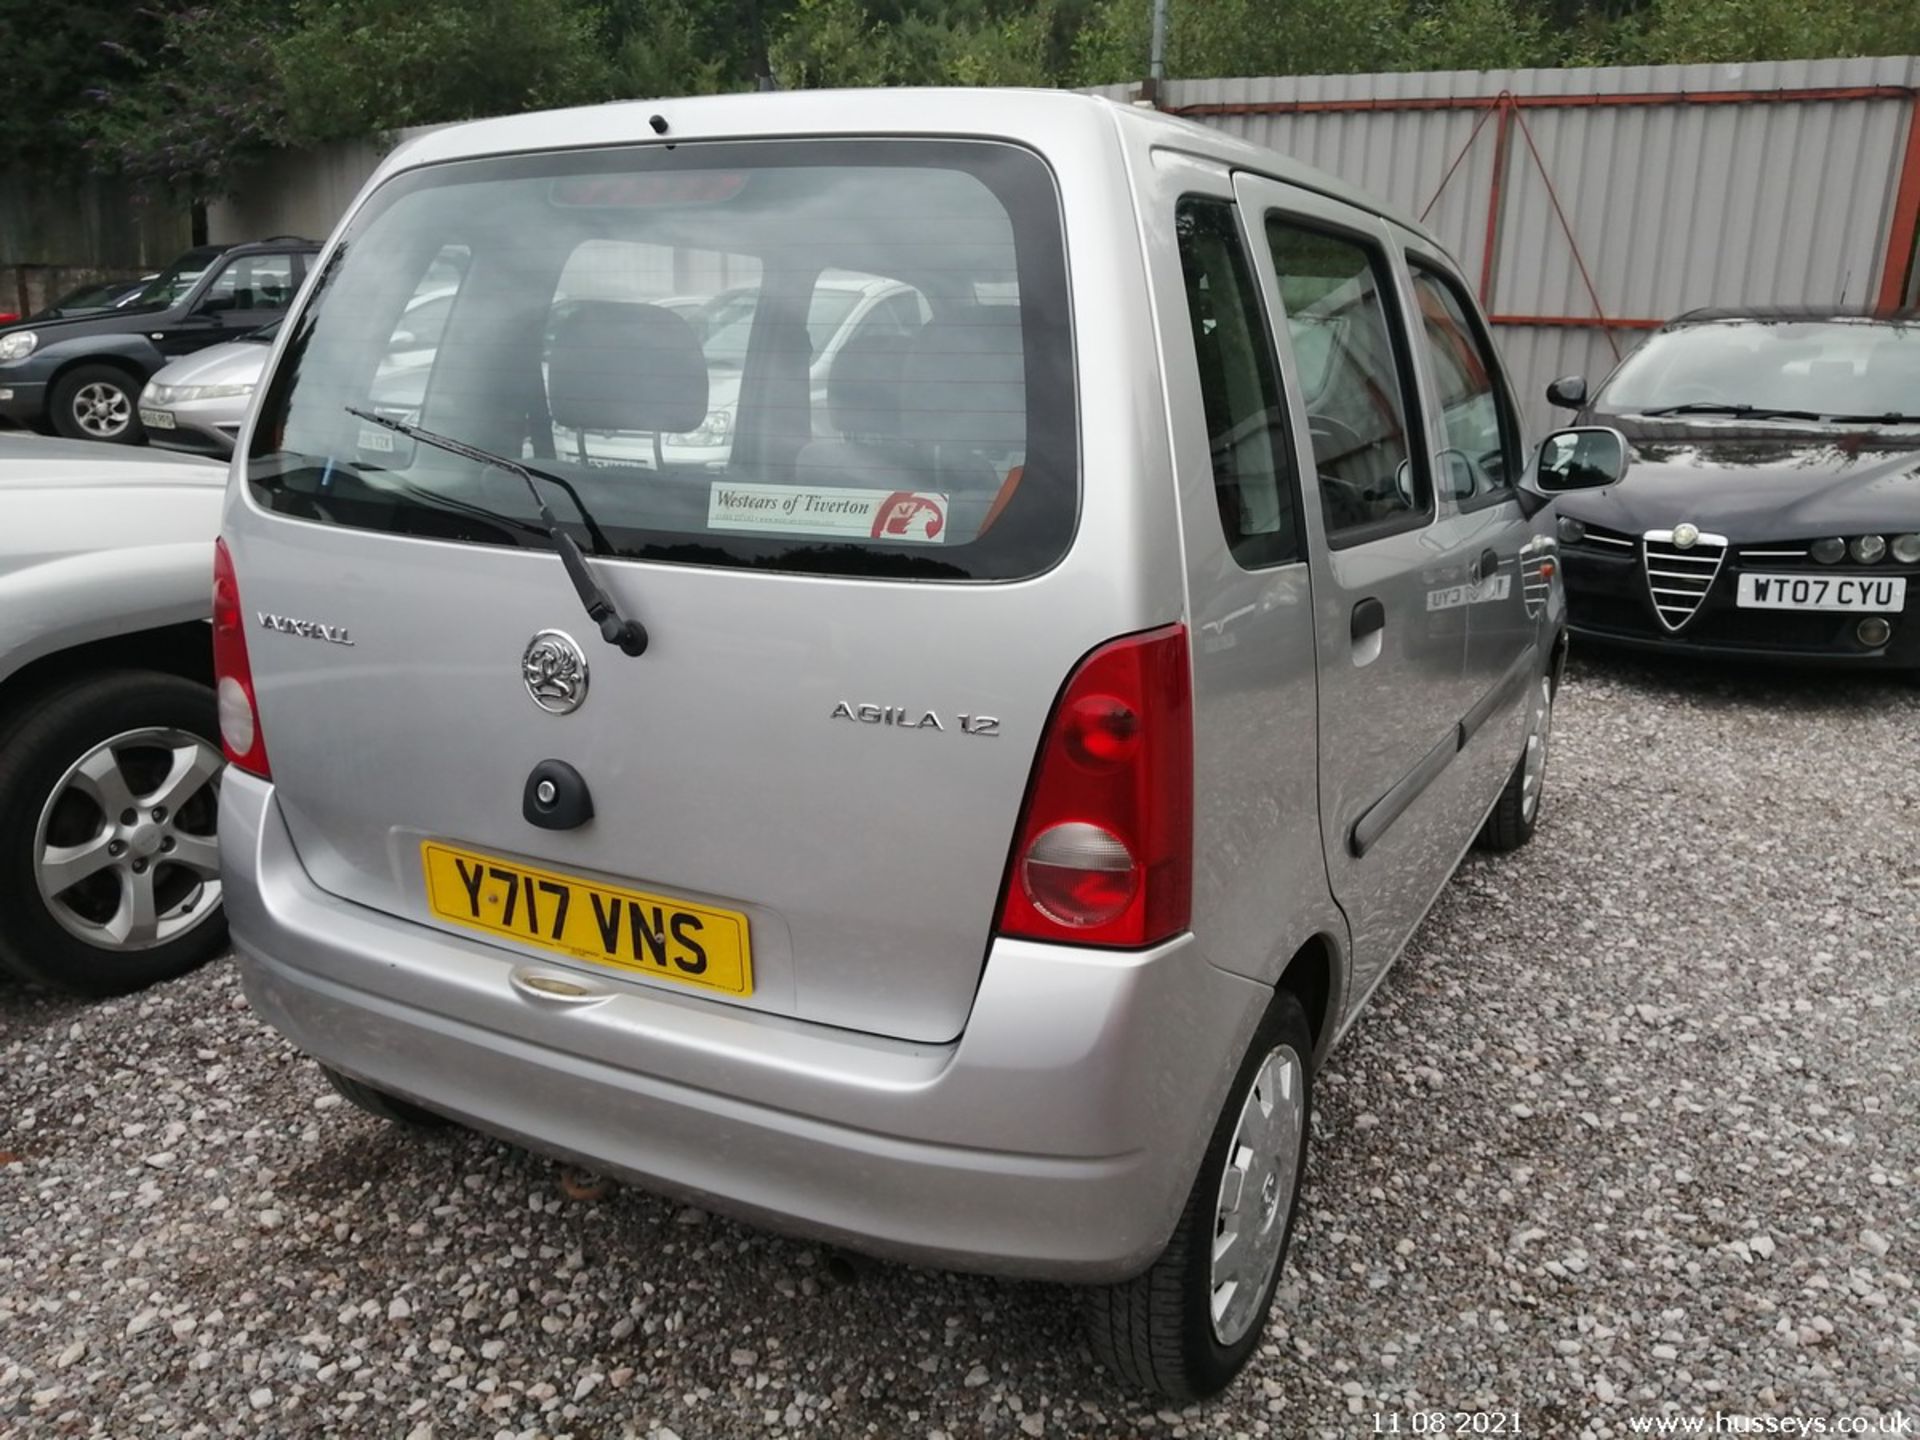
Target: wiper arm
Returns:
[1750, 412]
[615, 628]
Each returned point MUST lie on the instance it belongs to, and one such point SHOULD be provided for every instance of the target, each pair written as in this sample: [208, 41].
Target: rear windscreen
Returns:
[838, 357]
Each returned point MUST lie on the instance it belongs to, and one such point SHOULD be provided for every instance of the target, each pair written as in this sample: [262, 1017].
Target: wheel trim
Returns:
[102, 409]
[138, 839]
[1256, 1194]
[1533, 764]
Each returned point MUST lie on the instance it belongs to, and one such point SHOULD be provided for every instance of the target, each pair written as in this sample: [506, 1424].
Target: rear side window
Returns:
[1246, 426]
[845, 357]
[1483, 439]
[252, 282]
[1335, 290]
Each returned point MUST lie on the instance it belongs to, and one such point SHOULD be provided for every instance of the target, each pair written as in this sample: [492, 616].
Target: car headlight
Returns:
[156, 394]
[1572, 532]
[1829, 551]
[180, 394]
[716, 429]
[1906, 549]
[18, 345]
[1868, 549]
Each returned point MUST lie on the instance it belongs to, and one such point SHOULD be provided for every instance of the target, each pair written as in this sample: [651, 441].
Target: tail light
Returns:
[240, 733]
[1104, 852]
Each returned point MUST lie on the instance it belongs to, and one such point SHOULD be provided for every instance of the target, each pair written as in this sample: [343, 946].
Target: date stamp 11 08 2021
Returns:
[1447, 1422]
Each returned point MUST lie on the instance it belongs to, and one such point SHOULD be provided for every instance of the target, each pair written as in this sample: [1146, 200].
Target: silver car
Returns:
[109, 748]
[958, 826]
[199, 402]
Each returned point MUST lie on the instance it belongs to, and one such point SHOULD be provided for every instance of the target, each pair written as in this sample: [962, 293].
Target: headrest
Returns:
[620, 366]
[863, 387]
[966, 383]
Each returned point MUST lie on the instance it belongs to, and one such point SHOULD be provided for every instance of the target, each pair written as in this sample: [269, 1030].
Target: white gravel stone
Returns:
[1734, 854]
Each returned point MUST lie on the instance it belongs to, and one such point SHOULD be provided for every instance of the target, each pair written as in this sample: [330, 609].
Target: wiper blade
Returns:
[1746, 412]
[1885, 417]
[615, 628]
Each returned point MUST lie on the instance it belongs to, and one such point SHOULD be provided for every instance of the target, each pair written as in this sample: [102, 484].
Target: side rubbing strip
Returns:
[1484, 707]
[1392, 805]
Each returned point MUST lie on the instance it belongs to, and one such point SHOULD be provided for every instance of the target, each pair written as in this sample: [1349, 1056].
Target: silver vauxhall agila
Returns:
[946, 801]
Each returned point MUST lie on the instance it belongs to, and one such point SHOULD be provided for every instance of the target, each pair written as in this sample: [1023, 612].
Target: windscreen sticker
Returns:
[904, 515]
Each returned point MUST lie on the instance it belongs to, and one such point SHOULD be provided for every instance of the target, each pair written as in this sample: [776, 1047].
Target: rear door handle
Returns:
[1368, 616]
[1487, 564]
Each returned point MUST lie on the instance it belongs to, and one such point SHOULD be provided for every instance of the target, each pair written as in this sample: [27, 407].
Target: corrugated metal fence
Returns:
[1589, 205]
[1592, 204]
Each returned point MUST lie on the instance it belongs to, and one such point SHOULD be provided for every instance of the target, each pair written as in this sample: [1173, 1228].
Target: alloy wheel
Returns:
[124, 853]
[102, 410]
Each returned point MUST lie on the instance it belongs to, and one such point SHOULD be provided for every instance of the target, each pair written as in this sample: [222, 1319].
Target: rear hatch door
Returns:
[803, 793]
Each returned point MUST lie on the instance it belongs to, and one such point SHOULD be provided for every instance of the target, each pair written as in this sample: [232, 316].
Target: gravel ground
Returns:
[1631, 1129]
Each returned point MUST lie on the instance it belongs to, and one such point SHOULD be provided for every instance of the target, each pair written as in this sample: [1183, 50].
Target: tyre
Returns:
[1511, 822]
[97, 402]
[383, 1106]
[109, 793]
[1188, 1325]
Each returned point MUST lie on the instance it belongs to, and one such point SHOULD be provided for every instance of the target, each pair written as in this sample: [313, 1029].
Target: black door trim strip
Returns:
[1380, 815]
[1368, 829]
[1484, 707]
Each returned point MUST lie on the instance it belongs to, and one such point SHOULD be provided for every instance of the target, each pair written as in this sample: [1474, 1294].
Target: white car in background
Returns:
[199, 402]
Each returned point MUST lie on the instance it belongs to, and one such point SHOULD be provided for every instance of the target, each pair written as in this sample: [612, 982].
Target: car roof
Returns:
[275, 242]
[1021, 115]
[1723, 314]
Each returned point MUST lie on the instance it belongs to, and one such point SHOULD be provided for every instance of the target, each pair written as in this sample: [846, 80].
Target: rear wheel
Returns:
[1517, 812]
[97, 402]
[109, 794]
[1187, 1326]
[381, 1105]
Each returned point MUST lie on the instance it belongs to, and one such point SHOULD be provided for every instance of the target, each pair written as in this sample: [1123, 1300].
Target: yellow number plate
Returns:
[626, 929]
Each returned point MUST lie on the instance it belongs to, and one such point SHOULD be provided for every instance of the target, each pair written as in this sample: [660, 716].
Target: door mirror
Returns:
[1569, 392]
[1586, 458]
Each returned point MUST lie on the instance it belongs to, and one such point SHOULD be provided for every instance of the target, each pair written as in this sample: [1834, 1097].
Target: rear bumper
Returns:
[1057, 1138]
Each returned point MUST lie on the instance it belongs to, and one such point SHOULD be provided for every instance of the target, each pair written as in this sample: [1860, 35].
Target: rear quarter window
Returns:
[832, 357]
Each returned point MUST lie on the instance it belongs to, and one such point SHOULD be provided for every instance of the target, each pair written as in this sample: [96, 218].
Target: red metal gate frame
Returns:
[1506, 108]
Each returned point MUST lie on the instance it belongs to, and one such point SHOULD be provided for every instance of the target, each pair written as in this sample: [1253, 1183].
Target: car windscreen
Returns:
[172, 283]
[845, 357]
[1828, 367]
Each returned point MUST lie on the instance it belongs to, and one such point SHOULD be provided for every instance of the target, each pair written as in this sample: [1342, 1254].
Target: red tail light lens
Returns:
[1104, 853]
[240, 733]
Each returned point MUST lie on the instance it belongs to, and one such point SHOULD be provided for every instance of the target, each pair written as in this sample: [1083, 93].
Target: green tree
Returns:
[62, 62]
[199, 104]
[677, 47]
[356, 67]
[1725, 31]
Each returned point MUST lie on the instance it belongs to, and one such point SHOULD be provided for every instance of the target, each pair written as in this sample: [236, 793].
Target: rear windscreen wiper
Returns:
[615, 628]
[1745, 412]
